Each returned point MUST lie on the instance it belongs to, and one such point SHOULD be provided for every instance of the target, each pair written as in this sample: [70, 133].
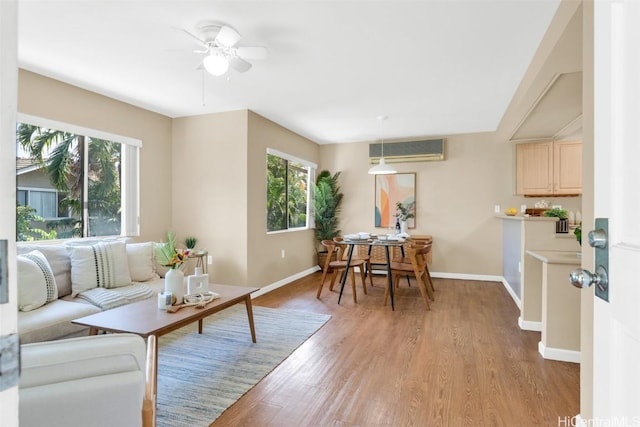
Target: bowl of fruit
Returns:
[511, 212]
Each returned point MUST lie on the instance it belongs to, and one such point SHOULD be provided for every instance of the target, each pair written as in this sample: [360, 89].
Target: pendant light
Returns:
[382, 168]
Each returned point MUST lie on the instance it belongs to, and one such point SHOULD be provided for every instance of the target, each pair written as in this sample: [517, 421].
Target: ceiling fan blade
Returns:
[252, 52]
[196, 38]
[227, 36]
[239, 64]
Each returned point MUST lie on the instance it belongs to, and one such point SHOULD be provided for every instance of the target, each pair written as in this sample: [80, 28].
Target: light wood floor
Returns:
[464, 363]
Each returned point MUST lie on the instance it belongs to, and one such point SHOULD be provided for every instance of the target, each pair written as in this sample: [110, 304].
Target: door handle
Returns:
[581, 278]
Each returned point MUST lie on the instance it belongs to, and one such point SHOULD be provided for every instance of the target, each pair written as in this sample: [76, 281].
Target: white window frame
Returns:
[311, 170]
[130, 190]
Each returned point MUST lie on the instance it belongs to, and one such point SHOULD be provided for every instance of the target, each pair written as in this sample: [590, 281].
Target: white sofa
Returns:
[79, 271]
[94, 381]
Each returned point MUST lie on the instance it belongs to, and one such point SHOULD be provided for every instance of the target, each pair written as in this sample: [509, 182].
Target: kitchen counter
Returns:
[559, 303]
[521, 217]
[521, 271]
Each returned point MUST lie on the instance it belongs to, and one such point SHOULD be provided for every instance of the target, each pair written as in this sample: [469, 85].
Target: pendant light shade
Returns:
[382, 168]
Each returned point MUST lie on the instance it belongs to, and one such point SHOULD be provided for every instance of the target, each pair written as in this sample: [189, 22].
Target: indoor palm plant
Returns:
[327, 199]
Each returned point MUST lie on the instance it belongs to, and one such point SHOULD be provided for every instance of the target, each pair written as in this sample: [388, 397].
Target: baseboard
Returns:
[285, 281]
[463, 276]
[558, 354]
[511, 292]
[437, 275]
[529, 325]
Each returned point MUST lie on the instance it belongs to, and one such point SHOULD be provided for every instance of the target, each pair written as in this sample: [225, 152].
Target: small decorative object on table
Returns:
[169, 256]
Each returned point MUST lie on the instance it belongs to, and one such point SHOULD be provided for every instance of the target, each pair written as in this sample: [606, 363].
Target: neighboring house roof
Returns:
[26, 165]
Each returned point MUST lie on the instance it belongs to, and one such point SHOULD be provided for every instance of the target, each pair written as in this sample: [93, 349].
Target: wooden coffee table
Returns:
[144, 318]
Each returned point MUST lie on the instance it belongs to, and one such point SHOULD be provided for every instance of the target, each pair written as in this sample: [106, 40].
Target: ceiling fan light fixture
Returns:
[215, 64]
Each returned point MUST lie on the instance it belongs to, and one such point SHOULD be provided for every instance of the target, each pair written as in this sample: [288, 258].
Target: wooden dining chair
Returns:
[340, 265]
[424, 251]
[358, 256]
[416, 268]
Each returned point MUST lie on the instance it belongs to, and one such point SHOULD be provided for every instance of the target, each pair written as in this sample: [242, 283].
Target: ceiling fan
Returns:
[219, 43]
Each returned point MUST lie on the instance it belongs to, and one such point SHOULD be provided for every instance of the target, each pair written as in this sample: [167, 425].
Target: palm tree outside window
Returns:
[84, 173]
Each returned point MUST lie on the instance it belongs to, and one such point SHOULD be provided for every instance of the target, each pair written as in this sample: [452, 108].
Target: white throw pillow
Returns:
[103, 264]
[141, 261]
[36, 283]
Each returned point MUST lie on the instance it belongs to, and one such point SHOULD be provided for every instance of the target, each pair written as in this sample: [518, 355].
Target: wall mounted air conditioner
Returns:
[408, 151]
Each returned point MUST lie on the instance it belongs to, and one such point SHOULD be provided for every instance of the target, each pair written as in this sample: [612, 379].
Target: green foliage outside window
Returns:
[26, 217]
[61, 155]
[286, 194]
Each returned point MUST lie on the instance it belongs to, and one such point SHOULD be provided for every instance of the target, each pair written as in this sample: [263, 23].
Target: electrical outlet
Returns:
[209, 259]
[282, 253]
[496, 209]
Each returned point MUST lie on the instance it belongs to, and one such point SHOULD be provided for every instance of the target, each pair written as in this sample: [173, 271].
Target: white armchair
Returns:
[93, 381]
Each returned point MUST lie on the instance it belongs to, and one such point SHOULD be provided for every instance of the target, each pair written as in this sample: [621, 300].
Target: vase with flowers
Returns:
[169, 256]
[405, 211]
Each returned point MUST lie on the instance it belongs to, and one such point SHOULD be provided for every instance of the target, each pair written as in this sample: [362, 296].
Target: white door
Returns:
[616, 357]
[8, 102]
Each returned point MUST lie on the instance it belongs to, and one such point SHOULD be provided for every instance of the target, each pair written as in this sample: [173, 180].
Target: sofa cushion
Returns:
[58, 259]
[53, 321]
[102, 264]
[36, 283]
[141, 261]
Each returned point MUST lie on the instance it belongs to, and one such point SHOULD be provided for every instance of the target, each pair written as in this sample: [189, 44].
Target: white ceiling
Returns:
[434, 67]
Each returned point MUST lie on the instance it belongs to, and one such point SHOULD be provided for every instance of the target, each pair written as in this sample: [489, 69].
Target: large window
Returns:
[74, 182]
[288, 191]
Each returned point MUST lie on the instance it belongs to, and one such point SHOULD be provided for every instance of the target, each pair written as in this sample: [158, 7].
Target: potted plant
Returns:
[190, 242]
[327, 199]
[561, 214]
[404, 212]
[578, 233]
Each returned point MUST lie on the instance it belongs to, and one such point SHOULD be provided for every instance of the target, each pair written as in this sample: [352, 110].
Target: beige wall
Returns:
[210, 189]
[266, 263]
[51, 99]
[223, 197]
[454, 199]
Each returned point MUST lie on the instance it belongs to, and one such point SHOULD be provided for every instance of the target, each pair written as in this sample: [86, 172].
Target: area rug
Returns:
[201, 375]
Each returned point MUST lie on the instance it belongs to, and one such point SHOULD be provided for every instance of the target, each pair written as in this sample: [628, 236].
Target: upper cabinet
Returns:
[552, 168]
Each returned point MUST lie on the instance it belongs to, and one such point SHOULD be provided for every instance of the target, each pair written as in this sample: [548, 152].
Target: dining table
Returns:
[384, 241]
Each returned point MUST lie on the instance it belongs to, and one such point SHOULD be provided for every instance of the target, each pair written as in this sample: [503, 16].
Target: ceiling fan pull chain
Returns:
[202, 74]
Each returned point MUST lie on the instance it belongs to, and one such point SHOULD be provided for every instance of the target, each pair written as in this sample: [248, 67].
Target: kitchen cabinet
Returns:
[549, 168]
